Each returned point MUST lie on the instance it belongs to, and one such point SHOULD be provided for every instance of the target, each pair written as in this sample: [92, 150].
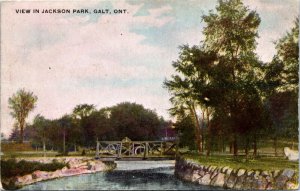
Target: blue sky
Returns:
[107, 59]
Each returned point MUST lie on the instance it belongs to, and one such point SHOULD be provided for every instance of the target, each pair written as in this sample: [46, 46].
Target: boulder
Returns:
[195, 176]
[202, 172]
[239, 184]
[24, 180]
[241, 172]
[260, 183]
[224, 169]
[292, 155]
[228, 171]
[230, 181]
[248, 182]
[288, 173]
[218, 180]
[291, 186]
[43, 175]
[276, 173]
[280, 181]
[205, 180]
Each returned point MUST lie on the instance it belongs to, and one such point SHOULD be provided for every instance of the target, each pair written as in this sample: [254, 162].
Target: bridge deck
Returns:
[135, 158]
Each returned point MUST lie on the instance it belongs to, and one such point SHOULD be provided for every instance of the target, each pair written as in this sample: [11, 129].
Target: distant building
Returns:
[168, 133]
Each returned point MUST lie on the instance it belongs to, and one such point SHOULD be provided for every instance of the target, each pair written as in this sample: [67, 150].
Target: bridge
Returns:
[136, 150]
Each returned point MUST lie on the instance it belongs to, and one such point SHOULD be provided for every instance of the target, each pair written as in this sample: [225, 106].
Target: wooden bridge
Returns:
[136, 150]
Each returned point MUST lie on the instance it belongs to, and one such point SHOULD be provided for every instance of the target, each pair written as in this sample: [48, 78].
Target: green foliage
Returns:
[21, 104]
[11, 168]
[134, 121]
[186, 136]
[242, 99]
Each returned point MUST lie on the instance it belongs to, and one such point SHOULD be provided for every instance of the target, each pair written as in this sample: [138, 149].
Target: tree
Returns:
[83, 110]
[282, 81]
[41, 126]
[21, 104]
[134, 121]
[231, 33]
[188, 86]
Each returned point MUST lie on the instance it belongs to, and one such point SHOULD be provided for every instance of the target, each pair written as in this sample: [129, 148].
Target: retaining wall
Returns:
[227, 177]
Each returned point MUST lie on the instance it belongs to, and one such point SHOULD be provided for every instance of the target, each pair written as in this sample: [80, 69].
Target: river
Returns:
[134, 175]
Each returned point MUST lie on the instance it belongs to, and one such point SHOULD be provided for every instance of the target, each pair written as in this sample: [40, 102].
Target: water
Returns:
[135, 175]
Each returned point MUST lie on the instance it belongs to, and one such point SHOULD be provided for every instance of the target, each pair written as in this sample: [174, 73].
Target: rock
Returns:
[231, 181]
[241, 172]
[228, 171]
[43, 175]
[215, 173]
[205, 180]
[280, 181]
[224, 169]
[202, 172]
[291, 186]
[270, 186]
[249, 173]
[260, 183]
[218, 180]
[196, 176]
[186, 176]
[288, 173]
[265, 173]
[248, 182]
[24, 180]
[239, 184]
[292, 155]
[276, 173]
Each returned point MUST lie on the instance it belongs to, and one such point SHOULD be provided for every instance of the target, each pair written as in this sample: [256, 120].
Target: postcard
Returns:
[149, 95]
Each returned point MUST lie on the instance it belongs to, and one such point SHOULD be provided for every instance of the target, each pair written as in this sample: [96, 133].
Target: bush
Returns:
[11, 168]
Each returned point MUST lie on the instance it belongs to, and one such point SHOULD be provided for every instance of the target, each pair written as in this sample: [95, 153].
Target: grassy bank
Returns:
[11, 168]
[260, 163]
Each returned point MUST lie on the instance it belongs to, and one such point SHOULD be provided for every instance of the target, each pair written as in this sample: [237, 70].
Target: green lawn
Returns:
[261, 163]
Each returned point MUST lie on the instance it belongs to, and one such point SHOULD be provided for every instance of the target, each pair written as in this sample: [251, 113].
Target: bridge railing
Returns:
[143, 149]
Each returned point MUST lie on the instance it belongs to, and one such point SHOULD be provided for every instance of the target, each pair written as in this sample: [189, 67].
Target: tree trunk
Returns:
[235, 146]
[202, 132]
[247, 148]
[21, 131]
[275, 146]
[44, 148]
[231, 148]
[208, 134]
[196, 129]
[255, 147]
[64, 142]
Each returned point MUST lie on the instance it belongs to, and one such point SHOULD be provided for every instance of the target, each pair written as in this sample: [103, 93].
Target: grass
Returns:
[260, 163]
[25, 154]
[11, 168]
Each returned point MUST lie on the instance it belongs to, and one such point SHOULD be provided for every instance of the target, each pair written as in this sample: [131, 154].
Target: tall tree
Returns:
[282, 81]
[188, 86]
[231, 32]
[21, 103]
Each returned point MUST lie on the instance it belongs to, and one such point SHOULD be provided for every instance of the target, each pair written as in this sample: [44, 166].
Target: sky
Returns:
[106, 59]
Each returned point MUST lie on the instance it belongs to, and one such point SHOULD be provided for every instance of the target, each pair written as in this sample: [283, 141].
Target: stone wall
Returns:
[76, 166]
[235, 178]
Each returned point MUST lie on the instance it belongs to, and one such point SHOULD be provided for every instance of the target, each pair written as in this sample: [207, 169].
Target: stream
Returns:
[133, 175]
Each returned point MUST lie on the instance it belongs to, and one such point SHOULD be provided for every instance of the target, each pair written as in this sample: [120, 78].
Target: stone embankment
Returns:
[75, 166]
[236, 178]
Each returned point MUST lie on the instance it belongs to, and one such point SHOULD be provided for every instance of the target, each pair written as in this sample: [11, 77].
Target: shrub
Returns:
[11, 168]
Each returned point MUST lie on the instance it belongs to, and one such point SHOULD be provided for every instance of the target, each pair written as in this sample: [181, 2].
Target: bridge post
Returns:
[120, 150]
[161, 148]
[97, 150]
[146, 150]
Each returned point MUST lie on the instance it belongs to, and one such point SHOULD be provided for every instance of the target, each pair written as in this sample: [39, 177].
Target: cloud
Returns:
[57, 54]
